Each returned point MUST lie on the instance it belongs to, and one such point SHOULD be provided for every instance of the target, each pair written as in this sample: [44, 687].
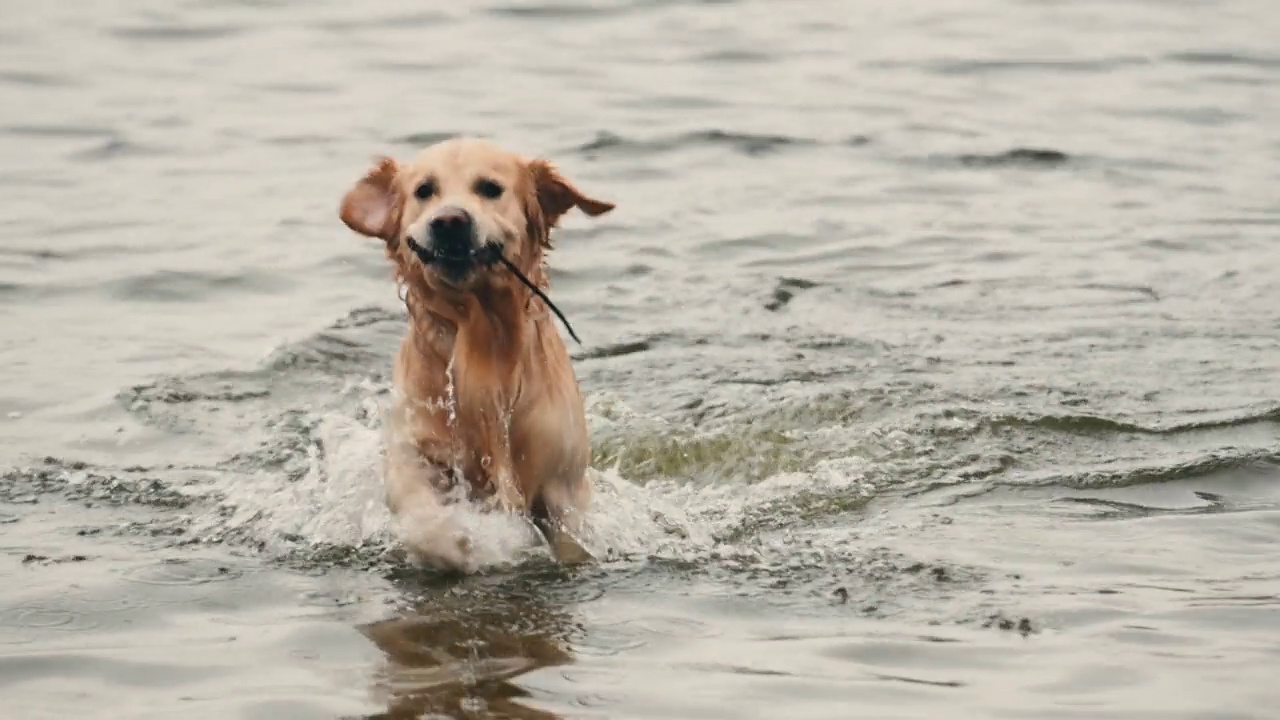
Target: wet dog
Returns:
[487, 405]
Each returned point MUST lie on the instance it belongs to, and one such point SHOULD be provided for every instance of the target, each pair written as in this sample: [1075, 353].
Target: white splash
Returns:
[340, 500]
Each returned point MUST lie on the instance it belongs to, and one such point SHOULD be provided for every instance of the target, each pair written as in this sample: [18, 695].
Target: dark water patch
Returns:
[27, 292]
[175, 33]
[1038, 67]
[555, 11]
[186, 286]
[56, 131]
[1000, 621]
[735, 56]
[642, 4]
[370, 315]
[96, 227]
[1145, 291]
[616, 350]
[32, 254]
[786, 290]
[364, 20]
[415, 68]
[1017, 157]
[296, 88]
[424, 139]
[1208, 57]
[1105, 509]
[34, 559]
[117, 148]
[842, 342]
[749, 144]
[34, 79]
[301, 140]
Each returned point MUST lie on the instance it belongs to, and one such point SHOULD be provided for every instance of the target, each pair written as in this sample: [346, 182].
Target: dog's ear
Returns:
[372, 206]
[556, 195]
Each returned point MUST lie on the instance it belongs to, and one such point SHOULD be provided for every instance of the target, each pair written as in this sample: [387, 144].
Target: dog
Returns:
[486, 405]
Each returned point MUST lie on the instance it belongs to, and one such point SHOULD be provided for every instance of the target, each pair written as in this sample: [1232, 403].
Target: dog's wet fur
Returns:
[487, 405]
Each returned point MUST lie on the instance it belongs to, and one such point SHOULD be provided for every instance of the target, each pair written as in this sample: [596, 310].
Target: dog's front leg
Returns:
[425, 522]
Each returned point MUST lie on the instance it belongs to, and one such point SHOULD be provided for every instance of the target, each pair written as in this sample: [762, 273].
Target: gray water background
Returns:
[931, 359]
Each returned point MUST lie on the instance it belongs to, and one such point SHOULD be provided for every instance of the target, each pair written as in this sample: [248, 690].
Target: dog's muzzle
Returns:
[451, 242]
[451, 235]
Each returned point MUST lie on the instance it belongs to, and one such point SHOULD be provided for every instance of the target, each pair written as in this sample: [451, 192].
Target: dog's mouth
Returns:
[456, 267]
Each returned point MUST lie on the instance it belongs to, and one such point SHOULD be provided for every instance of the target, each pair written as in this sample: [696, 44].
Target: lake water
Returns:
[932, 359]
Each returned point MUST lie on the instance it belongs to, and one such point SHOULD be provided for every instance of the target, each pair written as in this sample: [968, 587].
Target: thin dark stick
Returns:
[536, 291]
[489, 255]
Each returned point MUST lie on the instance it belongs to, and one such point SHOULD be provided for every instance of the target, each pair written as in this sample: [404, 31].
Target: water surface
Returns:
[930, 355]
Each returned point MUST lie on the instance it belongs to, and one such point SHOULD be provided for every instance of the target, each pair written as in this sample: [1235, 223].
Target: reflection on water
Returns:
[457, 653]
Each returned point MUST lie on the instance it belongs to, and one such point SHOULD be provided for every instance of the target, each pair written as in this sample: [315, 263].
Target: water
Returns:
[930, 360]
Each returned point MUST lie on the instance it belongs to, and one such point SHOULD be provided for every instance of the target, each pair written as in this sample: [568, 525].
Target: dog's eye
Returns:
[488, 189]
[425, 190]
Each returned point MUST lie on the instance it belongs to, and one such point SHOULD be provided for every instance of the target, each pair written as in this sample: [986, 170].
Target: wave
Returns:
[744, 143]
[294, 470]
[1210, 463]
[1016, 157]
[1085, 424]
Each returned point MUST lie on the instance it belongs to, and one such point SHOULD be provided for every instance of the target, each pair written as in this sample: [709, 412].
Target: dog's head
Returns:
[459, 201]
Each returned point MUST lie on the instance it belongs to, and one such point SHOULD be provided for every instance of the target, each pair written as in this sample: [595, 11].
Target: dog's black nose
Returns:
[451, 233]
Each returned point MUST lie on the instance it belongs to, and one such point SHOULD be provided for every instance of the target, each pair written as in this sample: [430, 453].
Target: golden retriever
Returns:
[487, 405]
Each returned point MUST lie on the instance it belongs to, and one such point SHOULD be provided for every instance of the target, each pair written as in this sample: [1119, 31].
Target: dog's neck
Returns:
[492, 323]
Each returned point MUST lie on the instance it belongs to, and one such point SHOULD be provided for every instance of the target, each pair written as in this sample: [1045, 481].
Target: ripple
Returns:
[176, 571]
[176, 33]
[1224, 58]
[174, 391]
[1205, 464]
[35, 79]
[987, 67]
[615, 350]
[749, 144]
[116, 148]
[329, 352]
[735, 56]
[80, 482]
[424, 139]
[297, 88]
[554, 11]
[56, 131]
[370, 315]
[189, 286]
[36, 617]
[786, 290]
[365, 20]
[1017, 157]
[1086, 424]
